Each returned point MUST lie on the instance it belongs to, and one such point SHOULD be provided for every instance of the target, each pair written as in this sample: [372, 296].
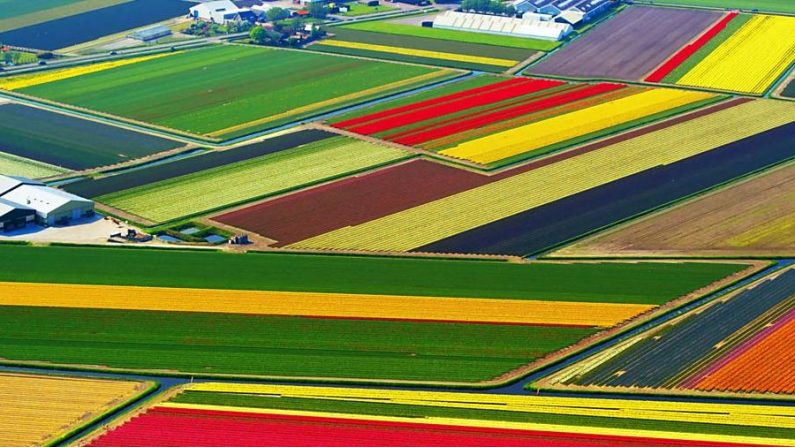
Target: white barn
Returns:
[218, 11]
[530, 26]
[52, 206]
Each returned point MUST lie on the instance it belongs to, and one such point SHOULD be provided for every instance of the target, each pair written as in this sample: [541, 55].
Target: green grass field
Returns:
[454, 36]
[249, 180]
[232, 90]
[785, 6]
[462, 412]
[285, 346]
[356, 9]
[20, 13]
[609, 282]
[13, 165]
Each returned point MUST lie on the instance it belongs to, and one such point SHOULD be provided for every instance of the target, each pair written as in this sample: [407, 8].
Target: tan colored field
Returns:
[755, 217]
[36, 410]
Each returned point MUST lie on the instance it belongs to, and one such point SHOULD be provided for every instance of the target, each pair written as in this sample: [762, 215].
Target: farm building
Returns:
[149, 34]
[531, 26]
[52, 206]
[221, 11]
[572, 12]
[14, 216]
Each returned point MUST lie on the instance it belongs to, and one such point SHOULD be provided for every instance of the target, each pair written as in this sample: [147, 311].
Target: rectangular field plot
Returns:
[628, 46]
[55, 24]
[251, 179]
[209, 413]
[60, 140]
[13, 165]
[785, 6]
[318, 316]
[509, 120]
[42, 409]
[732, 344]
[351, 40]
[753, 218]
[434, 221]
[750, 60]
[196, 92]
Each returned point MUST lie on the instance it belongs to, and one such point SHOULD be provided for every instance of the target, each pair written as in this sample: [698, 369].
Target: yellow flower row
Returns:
[464, 211]
[29, 80]
[34, 410]
[707, 413]
[421, 53]
[332, 305]
[750, 60]
[572, 125]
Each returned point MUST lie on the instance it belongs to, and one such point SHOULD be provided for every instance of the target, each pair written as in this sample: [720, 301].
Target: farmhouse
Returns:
[51, 206]
[531, 25]
[13, 215]
[221, 11]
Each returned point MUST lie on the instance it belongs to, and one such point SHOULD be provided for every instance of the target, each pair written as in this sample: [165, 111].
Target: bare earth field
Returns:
[629, 45]
[753, 218]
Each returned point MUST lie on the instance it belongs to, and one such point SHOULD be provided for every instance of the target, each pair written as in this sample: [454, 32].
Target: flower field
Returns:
[13, 165]
[162, 92]
[306, 415]
[252, 179]
[736, 344]
[433, 221]
[767, 42]
[40, 409]
[480, 60]
[488, 124]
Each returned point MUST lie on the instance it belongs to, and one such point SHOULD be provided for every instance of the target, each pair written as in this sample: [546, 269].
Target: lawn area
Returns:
[453, 35]
[17, 14]
[356, 9]
[248, 180]
[198, 92]
[60, 140]
[607, 282]
[785, 6]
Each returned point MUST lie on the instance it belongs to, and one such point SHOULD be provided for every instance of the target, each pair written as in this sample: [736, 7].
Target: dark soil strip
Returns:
[361, 199]
[552, 224]
[629, 45]
[120, 182]
[352, 201]
[651, 362]
[62, 140]
[68, 31]
[422, 43]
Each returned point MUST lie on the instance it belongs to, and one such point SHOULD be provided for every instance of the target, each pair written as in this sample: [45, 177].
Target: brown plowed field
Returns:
[756, 217]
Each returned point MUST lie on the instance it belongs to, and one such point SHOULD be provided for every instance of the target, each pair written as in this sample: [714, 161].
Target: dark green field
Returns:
[638, 283]
[420, 411]
[789, 90]
[200, 343]
[62, 140]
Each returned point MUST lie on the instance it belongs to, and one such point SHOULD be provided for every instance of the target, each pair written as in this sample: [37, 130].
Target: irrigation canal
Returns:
[517, 388]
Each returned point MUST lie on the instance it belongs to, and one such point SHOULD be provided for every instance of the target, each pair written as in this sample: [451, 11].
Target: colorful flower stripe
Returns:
[763, 366]
[196, 427]
[23, 81]
[35, 410]
[491, 97]
[326, 305]
[750, 60]
[572, 125]
[422, 53]
[427, 103]
[483, 120]
[688, 50]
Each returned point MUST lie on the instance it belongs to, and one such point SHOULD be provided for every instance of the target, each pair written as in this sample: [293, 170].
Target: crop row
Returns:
[248, 180]
[326, 305]
[37, 410]
[750, 60]
[470, 209]
[13, 165]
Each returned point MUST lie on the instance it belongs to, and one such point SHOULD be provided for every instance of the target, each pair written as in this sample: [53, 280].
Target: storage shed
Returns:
[153, 33]
[10, 182]
[14, 216]
[52, 206]
[219, 11]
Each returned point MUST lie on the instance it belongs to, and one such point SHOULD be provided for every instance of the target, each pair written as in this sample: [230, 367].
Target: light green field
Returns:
[232, 90]
[13, 165]
[785, 6]
[252, 179]
[21, 13]
[456, 36]
[358, 9]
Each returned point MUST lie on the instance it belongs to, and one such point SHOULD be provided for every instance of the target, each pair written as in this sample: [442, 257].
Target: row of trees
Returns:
[488, 6]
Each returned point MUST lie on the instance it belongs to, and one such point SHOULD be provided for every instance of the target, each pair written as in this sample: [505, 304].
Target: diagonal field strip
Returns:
[422, 53]
[329, 305]
[470, 209]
